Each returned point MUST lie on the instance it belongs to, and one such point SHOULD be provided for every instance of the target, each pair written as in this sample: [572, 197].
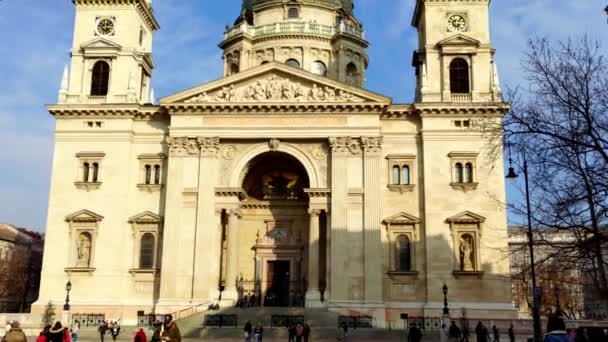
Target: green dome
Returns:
[347, 5]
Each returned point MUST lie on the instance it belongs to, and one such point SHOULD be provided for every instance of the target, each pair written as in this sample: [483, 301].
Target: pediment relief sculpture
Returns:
[275, 89]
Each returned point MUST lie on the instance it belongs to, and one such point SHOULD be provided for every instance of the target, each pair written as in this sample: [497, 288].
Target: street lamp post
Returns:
[536, 292]
[68, 288]
[446, 311]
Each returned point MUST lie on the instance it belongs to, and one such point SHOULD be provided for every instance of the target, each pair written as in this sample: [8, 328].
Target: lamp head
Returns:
[445, 289]
[511, 175]
[68, 286]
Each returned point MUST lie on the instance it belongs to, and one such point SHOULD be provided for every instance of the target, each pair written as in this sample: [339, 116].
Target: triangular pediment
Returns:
[274, 83]
[84, 216]
[460, 40]
[466, 217]
[401, 218]
[145, 217]
[100, 43]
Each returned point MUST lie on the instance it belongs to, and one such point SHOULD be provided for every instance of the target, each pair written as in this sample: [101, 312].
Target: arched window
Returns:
[318, 68]
[395, 175]
[459, 76]
[234, 68]
[405, 175]
[468, 173]
[402, 253]
[146, 252]
[352, 75]
[293, 13]
[85, 172]
[156, 174]
[293, 63]
[95, 172]
[100, 79]
[264, 62]
[148, 174]
[458, 176]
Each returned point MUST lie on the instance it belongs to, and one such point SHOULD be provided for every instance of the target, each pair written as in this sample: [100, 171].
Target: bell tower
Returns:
[111, 55]
[455, 58]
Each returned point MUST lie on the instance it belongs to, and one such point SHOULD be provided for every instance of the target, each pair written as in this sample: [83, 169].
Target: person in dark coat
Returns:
[415, 334]
[454, 333]
[511, 334]
[306, 332]
[248, 329]
[103, 328]
[495, 333]
[481, 332]
[291, 331]
[258, 332]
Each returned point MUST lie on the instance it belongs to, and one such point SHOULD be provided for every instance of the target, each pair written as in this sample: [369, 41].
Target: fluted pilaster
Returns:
[372, 148]
[206, 237]
[232, 262]
[313, 296]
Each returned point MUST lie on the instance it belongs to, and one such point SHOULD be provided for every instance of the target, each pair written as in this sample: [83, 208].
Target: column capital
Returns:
[209, 146]
[345, 145]
[314, 212]
[372, 145]
[234, 212]
[182, 146]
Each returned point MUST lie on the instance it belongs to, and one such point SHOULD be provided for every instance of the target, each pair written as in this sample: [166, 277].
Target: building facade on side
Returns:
[20, 267]
[285, 178]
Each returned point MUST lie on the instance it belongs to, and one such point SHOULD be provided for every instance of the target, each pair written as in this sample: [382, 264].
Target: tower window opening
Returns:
[352, 75]
[100, 79]
[293, 13]
[459, 76]
[318, 68]
[234, 68]
[293, 63]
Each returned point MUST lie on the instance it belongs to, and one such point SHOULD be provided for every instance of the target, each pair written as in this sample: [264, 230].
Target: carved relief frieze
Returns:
[345, 145]
[187, 146]
[276, 89]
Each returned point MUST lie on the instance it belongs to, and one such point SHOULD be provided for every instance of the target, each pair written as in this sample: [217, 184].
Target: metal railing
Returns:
[89, 320]
[282, 321]
[148, 320]
[221, 321]
[356, 322]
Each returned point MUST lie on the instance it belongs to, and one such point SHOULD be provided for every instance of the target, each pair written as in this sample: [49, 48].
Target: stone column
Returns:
[230, 295]
[179, 148]
[313, 296]
[340, 149]
[372, 210]
[215, 260]
[327, 293]
[205, 233]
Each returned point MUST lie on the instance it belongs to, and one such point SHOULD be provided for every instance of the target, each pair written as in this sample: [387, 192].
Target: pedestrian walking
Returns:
[156, 334]
[56, 332]
[14, 334]
[556, 330]
[344, 329]
[171, 332]
[115, 330]
[75, 331]
[466, 333]
[248, 329]
[496, 333]
[415, 334]
[258, 332]
[306, 332]
[291, 331]
[102, 329]
[481, 332]
[511, 333]
[299, 332]
[44, 334]
[454, 333]
[66, 335]
[140, 336]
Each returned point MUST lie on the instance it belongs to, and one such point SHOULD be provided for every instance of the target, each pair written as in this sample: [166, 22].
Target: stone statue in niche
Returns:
[466, 253]
[83, 250]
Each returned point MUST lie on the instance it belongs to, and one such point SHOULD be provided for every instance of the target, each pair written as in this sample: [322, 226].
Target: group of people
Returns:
[247, 301]
[253, 334]
[112, 326]
[298, 332]
[457, 334]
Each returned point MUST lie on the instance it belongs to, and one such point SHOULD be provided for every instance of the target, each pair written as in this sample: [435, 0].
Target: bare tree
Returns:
[560, 123]
[13, 277]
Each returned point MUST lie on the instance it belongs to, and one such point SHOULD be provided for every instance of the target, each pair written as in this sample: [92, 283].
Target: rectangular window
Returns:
[151, 171]
[89, 170]
[401, 176]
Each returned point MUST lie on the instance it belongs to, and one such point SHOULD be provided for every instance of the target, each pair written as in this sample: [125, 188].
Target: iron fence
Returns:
[89, 320]
[282, 321]
[148, 320]
[220, 321]
[356, 322]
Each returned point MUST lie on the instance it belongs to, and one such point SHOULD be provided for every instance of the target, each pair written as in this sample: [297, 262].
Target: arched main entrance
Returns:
[274, 241]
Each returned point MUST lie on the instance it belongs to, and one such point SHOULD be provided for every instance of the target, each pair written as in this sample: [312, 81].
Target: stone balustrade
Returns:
[293, 27]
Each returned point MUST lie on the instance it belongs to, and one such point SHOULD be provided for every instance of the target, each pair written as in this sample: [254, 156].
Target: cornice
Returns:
[253, 107]
[498, 109]
[134, 111]
[142, 7]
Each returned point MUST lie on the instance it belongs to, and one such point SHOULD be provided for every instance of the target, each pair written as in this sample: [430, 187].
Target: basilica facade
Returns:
[286, 178]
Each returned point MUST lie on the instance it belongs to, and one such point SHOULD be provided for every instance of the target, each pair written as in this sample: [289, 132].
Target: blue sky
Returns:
[36, 36]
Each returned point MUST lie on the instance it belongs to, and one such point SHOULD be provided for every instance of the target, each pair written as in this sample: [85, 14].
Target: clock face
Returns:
[105, 27]
[457, 23]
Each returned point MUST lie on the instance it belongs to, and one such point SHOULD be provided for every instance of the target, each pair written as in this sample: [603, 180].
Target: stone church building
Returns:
[285, 178]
